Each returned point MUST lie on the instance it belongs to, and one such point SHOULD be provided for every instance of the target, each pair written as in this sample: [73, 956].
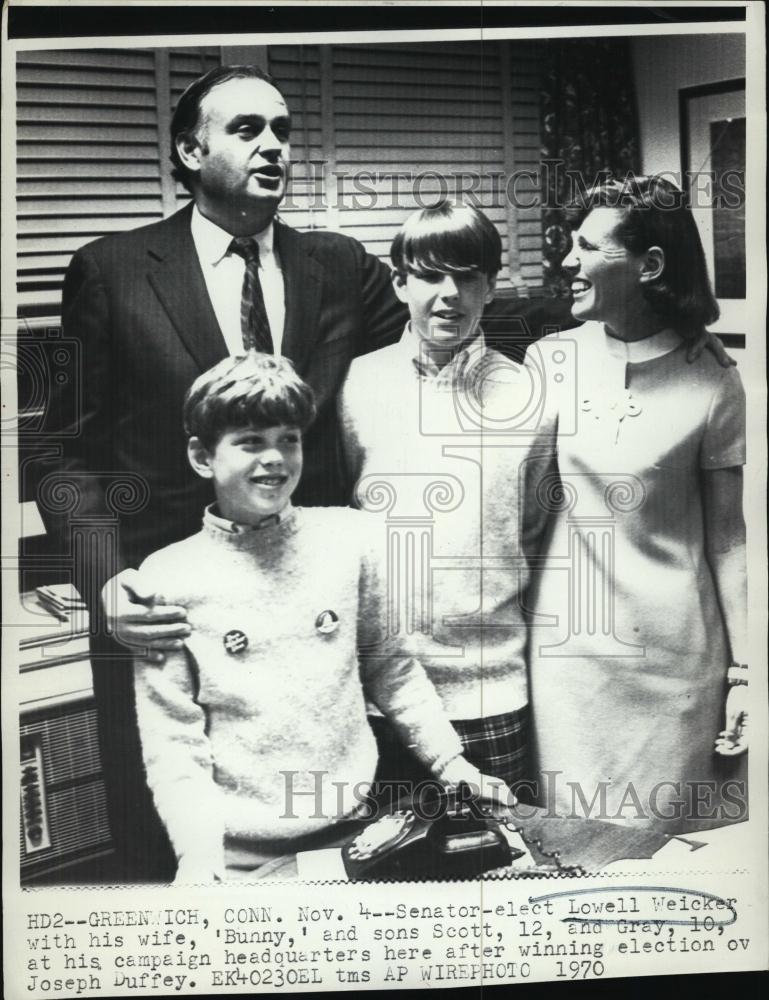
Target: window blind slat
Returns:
[425, 129]
[55, 186]
[425, 60]
[84, 206]
[77, 78]
[420, 106]
[127, 59]
[60, 132]
[63, 156]
[85, 96]
[85, 114]
[456, 93]
[96, 224]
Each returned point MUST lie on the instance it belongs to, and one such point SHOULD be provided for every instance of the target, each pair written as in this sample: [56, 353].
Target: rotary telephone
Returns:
[448, 835]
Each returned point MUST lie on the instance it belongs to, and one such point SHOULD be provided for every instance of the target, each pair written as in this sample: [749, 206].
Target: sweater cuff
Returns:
[198, 866]
[437, 748]
[197, 836]
[439, 766]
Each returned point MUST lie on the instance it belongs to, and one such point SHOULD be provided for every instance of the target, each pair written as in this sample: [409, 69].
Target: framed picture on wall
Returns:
[712, 120]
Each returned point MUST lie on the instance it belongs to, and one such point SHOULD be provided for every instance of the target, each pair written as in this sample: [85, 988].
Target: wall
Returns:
[661, 65]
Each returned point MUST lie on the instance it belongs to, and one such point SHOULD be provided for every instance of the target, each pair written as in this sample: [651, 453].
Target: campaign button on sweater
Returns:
[327, 622]
[235, 641]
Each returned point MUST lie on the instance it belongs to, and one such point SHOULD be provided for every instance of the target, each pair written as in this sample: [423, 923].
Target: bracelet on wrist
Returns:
[737, 675]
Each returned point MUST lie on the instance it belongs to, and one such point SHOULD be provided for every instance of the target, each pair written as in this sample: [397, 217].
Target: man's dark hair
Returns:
[186, 116]
[655, 213]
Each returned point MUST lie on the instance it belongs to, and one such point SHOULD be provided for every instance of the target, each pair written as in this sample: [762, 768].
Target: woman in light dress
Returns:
[638, 666]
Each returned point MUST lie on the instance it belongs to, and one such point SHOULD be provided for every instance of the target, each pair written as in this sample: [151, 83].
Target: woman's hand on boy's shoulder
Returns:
[139, 616]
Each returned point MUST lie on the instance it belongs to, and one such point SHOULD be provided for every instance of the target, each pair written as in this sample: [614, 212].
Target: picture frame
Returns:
[712, 121]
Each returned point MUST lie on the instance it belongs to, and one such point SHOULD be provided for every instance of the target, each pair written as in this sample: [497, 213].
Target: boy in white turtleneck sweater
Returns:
[255, 736]
[440, 415]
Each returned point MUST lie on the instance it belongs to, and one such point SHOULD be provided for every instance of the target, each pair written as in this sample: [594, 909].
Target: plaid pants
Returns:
[498, 745]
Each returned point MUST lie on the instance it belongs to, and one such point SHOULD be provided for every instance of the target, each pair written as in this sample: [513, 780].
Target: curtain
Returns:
[589, 132]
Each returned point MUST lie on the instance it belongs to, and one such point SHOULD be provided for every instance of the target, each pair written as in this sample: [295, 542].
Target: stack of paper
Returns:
[53, 643]
[61, 599]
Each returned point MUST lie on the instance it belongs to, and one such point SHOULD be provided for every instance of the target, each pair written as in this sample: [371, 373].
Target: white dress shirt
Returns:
[223, 273]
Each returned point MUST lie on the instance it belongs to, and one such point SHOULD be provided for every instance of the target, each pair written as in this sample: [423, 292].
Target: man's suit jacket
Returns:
[138, 305]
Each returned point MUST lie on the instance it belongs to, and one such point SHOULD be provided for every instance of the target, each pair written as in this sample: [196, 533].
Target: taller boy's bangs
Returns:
[458, 249]
[447, 238]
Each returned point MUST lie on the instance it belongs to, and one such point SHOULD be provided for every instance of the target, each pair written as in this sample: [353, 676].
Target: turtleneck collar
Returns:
[637, 351]
[216, 524]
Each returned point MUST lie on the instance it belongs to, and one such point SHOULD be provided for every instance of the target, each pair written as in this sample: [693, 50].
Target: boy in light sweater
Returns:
[442, 408]
[255, 736]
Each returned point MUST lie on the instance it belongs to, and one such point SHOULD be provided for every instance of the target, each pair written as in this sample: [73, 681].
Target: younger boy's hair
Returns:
[247, 390]
[447, 237]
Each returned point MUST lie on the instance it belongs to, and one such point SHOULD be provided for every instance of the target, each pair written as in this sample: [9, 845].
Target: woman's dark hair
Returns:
[248, 390]
[655, 213]
[447, 237]
[186, 116]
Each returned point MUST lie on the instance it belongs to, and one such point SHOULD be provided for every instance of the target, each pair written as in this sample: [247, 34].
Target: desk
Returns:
[592, 844]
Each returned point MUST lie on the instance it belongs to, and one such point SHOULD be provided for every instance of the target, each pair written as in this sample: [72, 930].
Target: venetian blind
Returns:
[91, 154]
[525, 157]
[393, 127]
[296, 72]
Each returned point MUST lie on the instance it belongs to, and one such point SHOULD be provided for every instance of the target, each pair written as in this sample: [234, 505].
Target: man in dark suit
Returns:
[155, 307]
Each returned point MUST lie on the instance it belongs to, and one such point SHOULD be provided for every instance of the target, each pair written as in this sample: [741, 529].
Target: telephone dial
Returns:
[465, 839]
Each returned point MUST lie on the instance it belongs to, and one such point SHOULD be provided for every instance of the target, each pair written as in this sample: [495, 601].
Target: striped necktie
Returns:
[254, 324]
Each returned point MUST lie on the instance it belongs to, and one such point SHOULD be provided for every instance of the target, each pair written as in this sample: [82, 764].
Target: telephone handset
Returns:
[450, 836]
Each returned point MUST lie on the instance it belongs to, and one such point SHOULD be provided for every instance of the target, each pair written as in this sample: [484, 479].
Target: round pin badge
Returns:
[327, 622]
[235, 641]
